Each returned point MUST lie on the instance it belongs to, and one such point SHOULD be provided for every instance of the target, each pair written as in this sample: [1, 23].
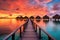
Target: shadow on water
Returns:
[19, 19]
[56, 22]
[56, 30]
[37, 20]
[46, 21]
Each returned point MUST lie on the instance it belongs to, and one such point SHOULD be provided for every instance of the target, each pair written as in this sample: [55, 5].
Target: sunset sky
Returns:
[26, 7]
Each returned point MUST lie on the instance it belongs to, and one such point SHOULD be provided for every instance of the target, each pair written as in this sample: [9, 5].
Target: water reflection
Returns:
[51, 27]
[54, 29]
[9, 25]
[56, 22]
[41, 24]
[45, 21]
[37, 20]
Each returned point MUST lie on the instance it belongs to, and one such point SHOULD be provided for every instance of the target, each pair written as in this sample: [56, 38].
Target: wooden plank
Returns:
[29, 33]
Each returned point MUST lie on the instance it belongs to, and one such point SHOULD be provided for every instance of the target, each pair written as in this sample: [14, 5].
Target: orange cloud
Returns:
[24, 7]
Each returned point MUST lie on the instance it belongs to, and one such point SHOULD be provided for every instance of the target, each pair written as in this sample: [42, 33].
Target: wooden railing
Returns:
[40, 29]
[24, 27]
[13, 33]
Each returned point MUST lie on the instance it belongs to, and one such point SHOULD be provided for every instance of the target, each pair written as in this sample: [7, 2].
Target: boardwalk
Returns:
[29, 33]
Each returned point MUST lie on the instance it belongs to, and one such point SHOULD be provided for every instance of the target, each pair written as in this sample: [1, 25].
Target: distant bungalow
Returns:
[56, 16]
[32, 17]
[59, 16]
[19, 18]
[25, 18]
[38, 18]
[45, 17]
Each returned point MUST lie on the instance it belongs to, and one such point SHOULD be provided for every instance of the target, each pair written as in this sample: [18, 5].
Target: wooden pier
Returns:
[29, 32]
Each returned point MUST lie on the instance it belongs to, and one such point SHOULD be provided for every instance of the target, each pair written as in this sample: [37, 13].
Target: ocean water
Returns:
[9, 25]
[51, 27]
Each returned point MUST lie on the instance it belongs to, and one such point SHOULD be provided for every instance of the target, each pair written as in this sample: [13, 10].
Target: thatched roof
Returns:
[25, 17]
[38, 17]
[19, 17]
[45, 17]
[56, 16]
[32, 17]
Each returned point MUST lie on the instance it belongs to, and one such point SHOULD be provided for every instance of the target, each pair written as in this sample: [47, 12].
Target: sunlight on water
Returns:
[8, 25]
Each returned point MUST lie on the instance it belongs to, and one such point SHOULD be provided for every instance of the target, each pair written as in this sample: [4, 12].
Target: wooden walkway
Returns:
[29, 33]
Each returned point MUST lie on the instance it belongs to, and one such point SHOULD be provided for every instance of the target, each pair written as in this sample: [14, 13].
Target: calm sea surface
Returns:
[9, 25]
[51, 27]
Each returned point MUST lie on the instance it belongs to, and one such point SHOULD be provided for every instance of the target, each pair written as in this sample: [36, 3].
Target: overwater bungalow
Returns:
[45, 17]
[32, 18]
[38, 18]
[19, 17]
[25, 18]
[56, 17]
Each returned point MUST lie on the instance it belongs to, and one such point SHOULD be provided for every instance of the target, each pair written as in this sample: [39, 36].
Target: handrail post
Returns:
[23, 29]
[49, 38]
[24, 26]
[13, 36]
[20, 31]
[13, 33]
[39, 33]
[39, 28]
[36, 28]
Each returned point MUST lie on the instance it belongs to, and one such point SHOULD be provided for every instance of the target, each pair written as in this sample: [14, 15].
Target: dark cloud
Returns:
[5, 4]
[56, 6]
